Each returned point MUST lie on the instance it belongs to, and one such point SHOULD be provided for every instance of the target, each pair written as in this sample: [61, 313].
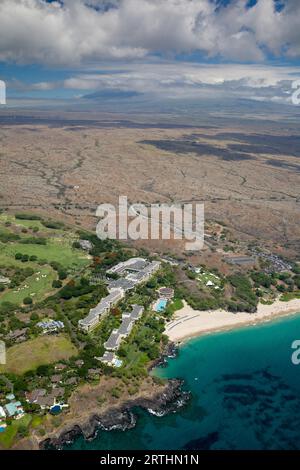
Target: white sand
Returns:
[189, 322]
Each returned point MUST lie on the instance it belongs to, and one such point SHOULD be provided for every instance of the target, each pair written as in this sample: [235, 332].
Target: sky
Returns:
[76, 50]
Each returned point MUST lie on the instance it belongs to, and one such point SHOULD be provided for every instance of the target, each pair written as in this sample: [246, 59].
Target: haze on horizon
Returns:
[147, 54]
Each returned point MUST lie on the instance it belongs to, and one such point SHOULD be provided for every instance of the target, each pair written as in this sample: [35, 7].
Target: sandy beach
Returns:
[189, 322]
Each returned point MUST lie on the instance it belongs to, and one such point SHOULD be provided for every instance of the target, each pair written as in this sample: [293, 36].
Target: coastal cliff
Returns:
[121, 417]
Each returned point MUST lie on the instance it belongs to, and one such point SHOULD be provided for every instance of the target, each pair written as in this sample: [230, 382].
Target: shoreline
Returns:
[89, 420]
[121, 417]
[189, 323]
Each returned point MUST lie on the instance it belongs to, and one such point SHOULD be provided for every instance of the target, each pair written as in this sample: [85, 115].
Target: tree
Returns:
[27, 301]
[62, 274]
[34, 316]
[56, 284]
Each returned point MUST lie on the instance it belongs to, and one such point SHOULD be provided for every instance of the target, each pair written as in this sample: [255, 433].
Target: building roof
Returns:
[107, 357]
[17, 334]
[137, 265]
[138, 276]
[114, 296]
[137, 311]
[122, 283]
[167, 291]
[14, 408]
[50, 324]
[126, 326]
[56, 378]
[135, 314]
[46, 401]
[71, 381]
[35, 394]
[113, 341]
[57, 392]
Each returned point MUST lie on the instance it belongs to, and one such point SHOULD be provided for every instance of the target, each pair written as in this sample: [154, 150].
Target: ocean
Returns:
[245, 395]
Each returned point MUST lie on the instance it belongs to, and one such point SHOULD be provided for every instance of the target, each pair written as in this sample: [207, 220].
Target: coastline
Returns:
[89, 417]
[121, 416]
[189, 323]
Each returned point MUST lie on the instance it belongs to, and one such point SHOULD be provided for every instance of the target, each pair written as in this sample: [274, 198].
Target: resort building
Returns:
[113, 342]
[166, 293]
[122, 283]
[132, 272]
[132, 264]
[14, 410]
[34, 395]
[50, 326]
[110, 359]
[117, 335]
[136, 313]
[95, 314]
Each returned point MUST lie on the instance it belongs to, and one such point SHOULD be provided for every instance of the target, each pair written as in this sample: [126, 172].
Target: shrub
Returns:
[24, 216]
[57, 284]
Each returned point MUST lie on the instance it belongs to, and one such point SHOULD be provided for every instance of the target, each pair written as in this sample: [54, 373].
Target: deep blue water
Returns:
[245, 395]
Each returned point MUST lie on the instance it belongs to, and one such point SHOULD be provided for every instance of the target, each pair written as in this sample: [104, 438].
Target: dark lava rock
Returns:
[123, 418]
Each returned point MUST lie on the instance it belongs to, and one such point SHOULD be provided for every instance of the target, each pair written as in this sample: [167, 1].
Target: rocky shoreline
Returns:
[170, 352]
[123, 417]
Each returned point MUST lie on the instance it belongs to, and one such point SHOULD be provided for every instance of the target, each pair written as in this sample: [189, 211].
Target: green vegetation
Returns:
[36, 352]
[24, 216]
[34, 286]
[16, 427]
[290, 296]
[30, 259]
[57, 249]
[172, 307]
[243, 299]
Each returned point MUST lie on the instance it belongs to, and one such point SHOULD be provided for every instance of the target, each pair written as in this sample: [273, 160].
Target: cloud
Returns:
[73, 32]
[178, 80]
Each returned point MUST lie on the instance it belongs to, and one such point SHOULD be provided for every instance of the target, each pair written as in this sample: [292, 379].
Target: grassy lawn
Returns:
[24, 223]
[57, 249]
[290, 296]
[176, 304]
[39, 351]
[134, 357]
[38, 284]
[8, 436]
[205, 277]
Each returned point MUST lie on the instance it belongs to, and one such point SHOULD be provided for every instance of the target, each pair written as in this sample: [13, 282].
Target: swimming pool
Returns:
[55, 409]
[161, 305]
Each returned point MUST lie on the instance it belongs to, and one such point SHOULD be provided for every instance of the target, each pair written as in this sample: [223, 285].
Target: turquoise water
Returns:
[161, 305]
[246, 395]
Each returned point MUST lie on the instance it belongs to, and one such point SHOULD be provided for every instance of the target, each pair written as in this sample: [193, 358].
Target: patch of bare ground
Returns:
[67, 174]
